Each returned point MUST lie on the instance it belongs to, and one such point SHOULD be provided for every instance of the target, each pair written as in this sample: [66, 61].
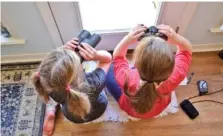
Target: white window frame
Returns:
[110, 39]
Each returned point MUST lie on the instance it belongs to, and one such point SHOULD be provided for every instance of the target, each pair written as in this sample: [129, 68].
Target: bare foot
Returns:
[48, 125]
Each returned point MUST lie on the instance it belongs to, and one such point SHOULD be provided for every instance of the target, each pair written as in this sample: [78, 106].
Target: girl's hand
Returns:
[87, 52]
[72, 44]
[135, 33]
[182, 43]
[169, 32]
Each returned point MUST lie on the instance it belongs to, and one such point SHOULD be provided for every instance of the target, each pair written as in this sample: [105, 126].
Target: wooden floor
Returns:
[206, 66]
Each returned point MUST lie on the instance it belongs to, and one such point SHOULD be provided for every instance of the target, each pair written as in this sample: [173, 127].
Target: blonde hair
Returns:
[59, 69]
[154, 61]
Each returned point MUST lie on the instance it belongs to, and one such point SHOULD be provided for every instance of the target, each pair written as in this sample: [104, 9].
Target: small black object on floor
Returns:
[221, 54]
[189, 109]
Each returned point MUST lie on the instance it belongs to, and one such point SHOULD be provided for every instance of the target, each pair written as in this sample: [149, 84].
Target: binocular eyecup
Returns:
[86, 37]
[153, 31]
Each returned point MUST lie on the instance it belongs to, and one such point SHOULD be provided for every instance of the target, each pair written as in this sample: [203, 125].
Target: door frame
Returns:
[48, 19]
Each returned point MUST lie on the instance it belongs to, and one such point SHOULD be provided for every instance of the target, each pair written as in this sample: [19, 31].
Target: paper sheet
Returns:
[184, 82]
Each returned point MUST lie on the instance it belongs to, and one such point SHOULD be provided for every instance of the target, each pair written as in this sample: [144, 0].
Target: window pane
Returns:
[112, 15]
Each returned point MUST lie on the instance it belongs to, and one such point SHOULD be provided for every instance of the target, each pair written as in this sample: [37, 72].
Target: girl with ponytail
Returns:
[60, 79]
[144, 91]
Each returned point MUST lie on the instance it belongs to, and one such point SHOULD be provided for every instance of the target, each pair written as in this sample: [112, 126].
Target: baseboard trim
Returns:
[207, 47]
[37, 57]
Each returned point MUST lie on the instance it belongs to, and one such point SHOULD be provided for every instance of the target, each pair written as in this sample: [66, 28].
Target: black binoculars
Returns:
[86, 37]
[152, 30]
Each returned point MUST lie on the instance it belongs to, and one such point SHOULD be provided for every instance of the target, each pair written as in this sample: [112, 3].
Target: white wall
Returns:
[207, 15]
[25, 19]
[171, 13]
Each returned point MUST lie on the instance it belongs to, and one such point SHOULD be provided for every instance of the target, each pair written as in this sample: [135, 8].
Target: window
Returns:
[101, 15]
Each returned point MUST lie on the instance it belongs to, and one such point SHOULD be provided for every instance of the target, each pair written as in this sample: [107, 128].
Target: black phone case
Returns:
[189, 109]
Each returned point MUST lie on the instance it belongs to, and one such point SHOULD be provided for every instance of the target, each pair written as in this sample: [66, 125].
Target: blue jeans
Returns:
[112, 84]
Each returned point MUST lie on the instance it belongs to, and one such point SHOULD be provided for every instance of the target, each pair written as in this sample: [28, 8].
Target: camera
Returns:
[153, 31]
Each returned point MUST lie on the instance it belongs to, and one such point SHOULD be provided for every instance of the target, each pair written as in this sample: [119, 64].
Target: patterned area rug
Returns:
[22, 111]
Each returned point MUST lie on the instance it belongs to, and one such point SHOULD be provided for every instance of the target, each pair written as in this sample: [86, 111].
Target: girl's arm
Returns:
[122, 47]
[182, 59]
[103, 56]
[89, 53]
[182, 43]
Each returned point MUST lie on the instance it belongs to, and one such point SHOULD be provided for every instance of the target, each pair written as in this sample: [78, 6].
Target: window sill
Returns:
[216, 30]
[11, 41]
[111, 31]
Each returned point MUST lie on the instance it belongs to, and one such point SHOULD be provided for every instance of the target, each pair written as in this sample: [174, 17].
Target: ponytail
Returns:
[39, 88]
[78, 103]
[59, 70]
[145, 97]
